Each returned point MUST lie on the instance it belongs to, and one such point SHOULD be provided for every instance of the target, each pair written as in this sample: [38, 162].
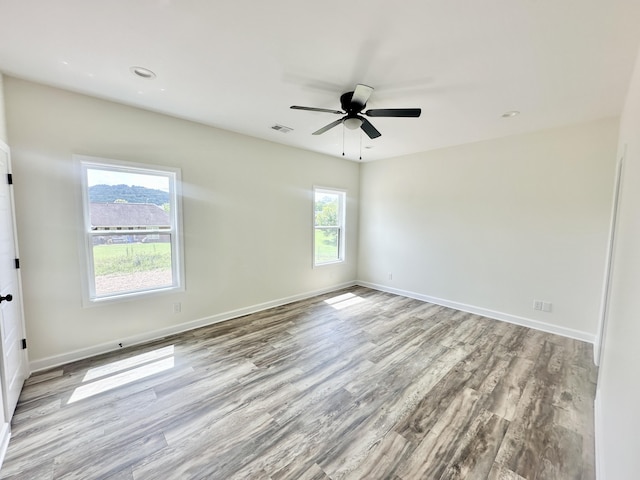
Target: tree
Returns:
[327, 216]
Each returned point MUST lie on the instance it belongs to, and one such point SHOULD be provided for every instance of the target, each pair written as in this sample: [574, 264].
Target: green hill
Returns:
[128, 193]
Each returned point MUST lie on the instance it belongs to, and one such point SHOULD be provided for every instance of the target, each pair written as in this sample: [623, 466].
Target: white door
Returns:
[13, 359]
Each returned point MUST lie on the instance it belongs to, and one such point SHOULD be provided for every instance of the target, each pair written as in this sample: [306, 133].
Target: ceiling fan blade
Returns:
[394, 112]
[361, 94]
[313, 109]
[369, 129]
[328, 127]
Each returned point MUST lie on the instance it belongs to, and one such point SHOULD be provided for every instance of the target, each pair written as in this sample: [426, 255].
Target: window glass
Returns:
[328, 226]
[131, 216]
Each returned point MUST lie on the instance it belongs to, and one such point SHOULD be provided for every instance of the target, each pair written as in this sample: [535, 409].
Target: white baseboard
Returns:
[80, 354]
[5, 435]
[505, 317]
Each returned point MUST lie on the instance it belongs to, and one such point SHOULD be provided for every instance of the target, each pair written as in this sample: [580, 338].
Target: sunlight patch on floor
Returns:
[343, 301]
[123, 372]
[120, 365]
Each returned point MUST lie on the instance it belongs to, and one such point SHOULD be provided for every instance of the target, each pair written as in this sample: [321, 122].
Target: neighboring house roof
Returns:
[127, 215]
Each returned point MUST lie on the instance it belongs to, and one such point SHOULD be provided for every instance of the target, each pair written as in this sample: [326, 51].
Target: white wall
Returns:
[247, 218]
[491, 226]
[3, 124]
[618, 394]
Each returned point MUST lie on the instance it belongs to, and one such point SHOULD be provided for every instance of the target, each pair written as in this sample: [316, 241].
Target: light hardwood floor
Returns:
[353, 384]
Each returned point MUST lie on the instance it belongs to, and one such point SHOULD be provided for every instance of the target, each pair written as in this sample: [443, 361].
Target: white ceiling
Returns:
[239, 65]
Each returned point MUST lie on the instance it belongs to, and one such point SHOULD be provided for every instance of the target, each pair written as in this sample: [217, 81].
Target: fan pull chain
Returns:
[343, 139]
[360, 144]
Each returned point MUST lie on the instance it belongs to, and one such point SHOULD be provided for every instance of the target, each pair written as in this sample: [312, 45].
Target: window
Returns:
[132, 228]
[328, 230]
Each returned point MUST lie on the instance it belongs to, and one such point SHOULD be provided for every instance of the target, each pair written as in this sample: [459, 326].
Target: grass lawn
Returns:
[326, 247]
[131, 257]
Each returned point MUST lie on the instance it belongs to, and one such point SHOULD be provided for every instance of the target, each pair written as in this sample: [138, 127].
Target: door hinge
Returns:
[24, 343]
[9, 179]
[17, 263]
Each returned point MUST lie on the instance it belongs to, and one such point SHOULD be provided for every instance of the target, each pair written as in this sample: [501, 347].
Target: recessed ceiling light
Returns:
[142, 72]
[511, 113]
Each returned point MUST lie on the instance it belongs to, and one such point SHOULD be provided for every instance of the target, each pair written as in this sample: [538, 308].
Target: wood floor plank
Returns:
[303, 471]
[383, 459]
[433, 405]
[106, 459]
[535, 445]
[346, 385]
[477, 450]
[505, 397]
[499, 472]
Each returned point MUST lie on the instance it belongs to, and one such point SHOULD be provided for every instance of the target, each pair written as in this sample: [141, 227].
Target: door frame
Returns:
[598, 347]
[5, 424]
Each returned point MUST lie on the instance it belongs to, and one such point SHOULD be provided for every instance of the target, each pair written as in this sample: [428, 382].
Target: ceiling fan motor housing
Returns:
[351, 108]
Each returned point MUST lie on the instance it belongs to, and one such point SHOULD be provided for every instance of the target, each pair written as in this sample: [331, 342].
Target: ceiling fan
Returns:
[352, 105]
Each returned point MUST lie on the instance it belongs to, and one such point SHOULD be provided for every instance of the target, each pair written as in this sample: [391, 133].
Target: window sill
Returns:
[128, 297]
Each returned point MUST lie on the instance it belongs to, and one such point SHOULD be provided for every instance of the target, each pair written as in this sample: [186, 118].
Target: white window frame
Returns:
[87, 233]
[342, 204]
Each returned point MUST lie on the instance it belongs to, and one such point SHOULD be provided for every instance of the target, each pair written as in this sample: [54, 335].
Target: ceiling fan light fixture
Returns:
[352, 123]
[511, 113]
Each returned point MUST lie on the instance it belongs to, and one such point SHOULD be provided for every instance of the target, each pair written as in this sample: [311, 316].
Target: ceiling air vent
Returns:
[281, 128]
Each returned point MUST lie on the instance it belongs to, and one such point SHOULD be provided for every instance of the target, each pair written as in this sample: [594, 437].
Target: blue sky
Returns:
[110, 177]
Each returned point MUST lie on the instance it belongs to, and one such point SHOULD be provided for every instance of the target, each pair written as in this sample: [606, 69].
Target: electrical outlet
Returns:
[542, 306]
[177, 307]
[390, 276]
